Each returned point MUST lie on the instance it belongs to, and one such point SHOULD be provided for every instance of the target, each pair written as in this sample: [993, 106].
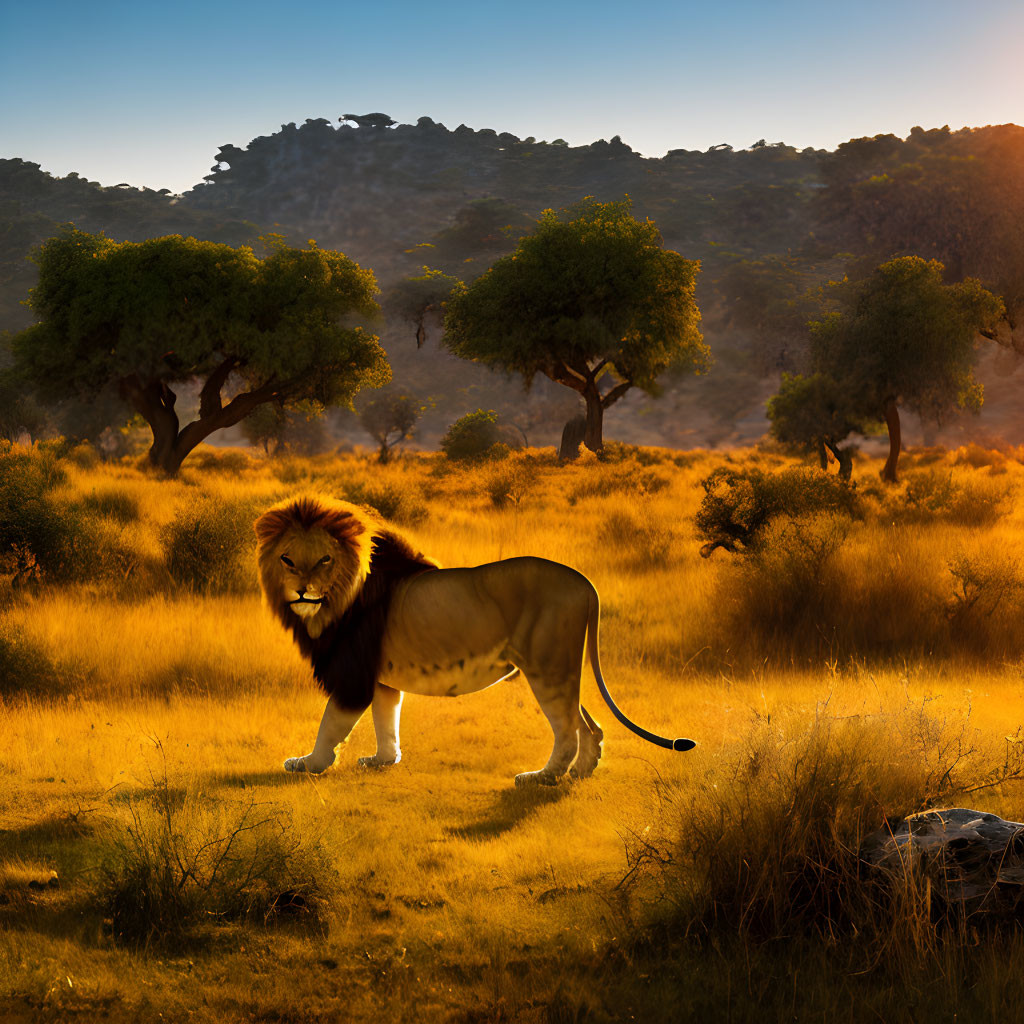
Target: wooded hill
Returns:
[769, 223]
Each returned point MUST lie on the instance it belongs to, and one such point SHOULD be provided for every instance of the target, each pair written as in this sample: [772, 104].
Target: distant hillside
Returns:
[768, 223]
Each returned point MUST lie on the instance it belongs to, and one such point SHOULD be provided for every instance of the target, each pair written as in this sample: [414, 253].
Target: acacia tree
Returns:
[592, 300]
[151, 316]
[413, 299]
[816, 413]
[905, 338]
[390, 419]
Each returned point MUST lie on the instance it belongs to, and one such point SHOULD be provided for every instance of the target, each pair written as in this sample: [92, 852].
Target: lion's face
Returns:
[313, 560]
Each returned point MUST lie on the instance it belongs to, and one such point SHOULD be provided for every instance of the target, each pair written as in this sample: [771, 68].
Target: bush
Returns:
[768, 846]
[25, 667]
[935, 495]
[789, 583]
[389, 500]
[121, 506]
[176, 863]
[621, 478]
[636, 538]
[474, 436]
[207, 546]
[41, 537]
[738, 505]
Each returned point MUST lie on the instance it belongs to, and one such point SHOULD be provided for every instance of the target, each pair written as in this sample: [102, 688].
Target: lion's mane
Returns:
[346, 655]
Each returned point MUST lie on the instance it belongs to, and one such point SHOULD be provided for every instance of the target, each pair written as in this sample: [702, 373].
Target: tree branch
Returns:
[562, 374]
[616, 393]
[209, 397]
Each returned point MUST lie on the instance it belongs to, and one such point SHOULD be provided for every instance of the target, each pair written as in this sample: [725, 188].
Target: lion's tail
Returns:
[595, 664]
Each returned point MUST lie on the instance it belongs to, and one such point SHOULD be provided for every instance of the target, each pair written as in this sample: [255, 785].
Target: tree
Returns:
[904, 337]
[816, 413]
[390, 419]
[589, 296]
[152, 315]
[413, 299]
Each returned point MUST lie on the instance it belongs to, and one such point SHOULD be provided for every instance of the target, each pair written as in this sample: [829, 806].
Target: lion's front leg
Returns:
[387, 709]
[335, 726]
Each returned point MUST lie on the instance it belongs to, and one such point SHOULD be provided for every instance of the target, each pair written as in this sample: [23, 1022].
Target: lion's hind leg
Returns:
[560, 702]
[591, 738]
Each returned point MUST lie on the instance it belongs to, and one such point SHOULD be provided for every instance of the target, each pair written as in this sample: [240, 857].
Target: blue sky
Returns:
[146, 93]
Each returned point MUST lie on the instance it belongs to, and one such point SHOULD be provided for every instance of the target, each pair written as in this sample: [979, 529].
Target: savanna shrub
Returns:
[389, 500]
[636, 538]
[474, 436]
[786, 587]
[739, 504]
[25, 667]
[210, 546]
[120, 505]
[768, 845]
[510, 485]
[174, 864]
[618, 478]
[936, 495]
[41, 538]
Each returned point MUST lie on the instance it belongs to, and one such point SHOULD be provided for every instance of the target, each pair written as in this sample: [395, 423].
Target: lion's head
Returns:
[314, 554]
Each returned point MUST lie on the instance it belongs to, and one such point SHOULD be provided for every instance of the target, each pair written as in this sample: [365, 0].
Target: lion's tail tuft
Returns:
[593, 620]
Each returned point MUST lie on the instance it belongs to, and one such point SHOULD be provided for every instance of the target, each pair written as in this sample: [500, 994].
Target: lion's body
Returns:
[527, 613]
[376, 618]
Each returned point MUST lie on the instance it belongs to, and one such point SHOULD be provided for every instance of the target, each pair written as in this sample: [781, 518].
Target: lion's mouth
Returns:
[307, 600]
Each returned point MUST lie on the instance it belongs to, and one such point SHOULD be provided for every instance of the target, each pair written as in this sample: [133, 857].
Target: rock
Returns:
[973, 859]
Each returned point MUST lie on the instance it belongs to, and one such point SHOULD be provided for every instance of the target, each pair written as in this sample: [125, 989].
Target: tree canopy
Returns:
[589, 297]
[169, 311]
[902, 337]
[816, 413]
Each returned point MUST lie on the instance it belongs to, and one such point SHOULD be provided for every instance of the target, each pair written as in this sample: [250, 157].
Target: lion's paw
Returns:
[541, 778]
[376, 761]
[304, 764]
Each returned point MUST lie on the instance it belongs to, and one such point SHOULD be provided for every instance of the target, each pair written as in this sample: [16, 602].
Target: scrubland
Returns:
[850, 665]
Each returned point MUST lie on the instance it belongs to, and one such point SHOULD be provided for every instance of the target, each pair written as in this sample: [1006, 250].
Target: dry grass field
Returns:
[847, 667]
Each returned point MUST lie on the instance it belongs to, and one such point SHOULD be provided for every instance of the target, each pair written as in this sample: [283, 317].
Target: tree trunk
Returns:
[154, 401]
[572, 437]
[892, 422]
[593, 438]
[845, 459]
[822, 455]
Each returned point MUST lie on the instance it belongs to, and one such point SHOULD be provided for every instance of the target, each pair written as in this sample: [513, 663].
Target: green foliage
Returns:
[904, 336]
[389, 419]
[809, 412]
[739, 505]
[207, 545]
[144, 316]
[587, 293]
[600, 286]
[473, 436]
[412, 299]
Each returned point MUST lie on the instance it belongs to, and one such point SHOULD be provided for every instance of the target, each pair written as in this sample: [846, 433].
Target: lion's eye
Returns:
[324, 560]
[287, 561]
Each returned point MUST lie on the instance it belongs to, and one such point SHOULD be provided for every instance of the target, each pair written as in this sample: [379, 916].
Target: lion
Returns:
[376, 619]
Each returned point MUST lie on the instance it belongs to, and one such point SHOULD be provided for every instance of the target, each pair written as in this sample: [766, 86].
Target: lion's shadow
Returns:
[512, 808]
[247, 780]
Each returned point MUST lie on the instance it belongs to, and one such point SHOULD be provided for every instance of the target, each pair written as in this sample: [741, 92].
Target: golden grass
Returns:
[447, 893]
